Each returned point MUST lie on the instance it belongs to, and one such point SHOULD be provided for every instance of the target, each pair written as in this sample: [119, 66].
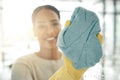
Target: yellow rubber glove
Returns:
[73, 72]
[100, 38]
[67, 23]
[68, 72]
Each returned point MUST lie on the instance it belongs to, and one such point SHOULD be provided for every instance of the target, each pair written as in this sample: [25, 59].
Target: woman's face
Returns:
[46, 28]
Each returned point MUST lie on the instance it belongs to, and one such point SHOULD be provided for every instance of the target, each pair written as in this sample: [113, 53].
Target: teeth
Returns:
[50, 38]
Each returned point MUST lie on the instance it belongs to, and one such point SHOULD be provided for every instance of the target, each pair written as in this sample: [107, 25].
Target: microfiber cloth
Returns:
[79, 42]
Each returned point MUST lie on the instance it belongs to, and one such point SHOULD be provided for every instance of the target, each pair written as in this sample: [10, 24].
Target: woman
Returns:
[42, 64]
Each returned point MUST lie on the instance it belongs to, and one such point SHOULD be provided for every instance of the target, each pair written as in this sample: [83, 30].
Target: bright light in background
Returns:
[17, 27]
[17, 18]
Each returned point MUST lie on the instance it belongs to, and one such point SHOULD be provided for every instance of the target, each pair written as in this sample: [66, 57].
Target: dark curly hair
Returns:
[45, 7]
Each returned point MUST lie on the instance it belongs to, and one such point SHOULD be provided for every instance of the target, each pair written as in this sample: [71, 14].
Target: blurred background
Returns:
[16, 36]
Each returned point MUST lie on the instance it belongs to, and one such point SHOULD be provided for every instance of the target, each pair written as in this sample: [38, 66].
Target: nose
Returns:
[50, 30]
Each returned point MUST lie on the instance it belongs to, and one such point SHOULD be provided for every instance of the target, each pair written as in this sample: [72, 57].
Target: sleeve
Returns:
[21, 71]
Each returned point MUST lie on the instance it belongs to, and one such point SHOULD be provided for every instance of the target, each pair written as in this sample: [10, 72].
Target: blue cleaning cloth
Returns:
[79, 42]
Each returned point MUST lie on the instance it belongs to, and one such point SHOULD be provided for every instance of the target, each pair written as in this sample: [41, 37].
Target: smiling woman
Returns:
[46, 27]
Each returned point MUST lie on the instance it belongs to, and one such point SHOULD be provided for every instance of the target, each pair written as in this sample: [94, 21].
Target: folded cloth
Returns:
[79, 42]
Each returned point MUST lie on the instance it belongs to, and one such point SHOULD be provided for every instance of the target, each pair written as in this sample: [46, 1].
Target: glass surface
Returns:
[18, 30]
[118, 5]
[109, 33]
[118, 34]
[109, 6]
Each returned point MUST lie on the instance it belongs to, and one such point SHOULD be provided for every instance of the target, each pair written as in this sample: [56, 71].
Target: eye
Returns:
[41, 26]
[55, 24]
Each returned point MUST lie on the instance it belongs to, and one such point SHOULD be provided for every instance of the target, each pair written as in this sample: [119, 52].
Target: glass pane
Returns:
[118, 5]
[66, 15]
[16, 21]
[117, 34]
[109, 6]
[1, 36]
[98, 7]
[109, 33]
